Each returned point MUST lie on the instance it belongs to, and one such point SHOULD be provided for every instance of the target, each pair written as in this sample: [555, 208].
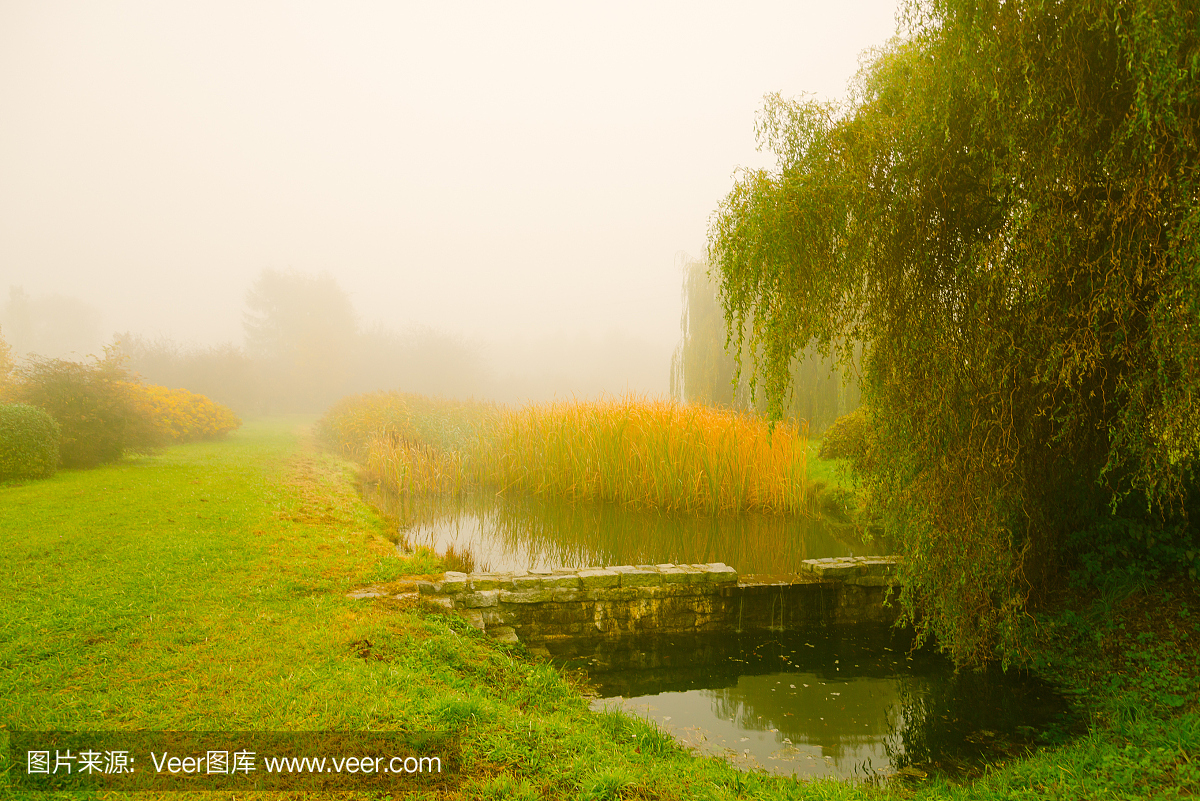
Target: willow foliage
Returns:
[1007, 210]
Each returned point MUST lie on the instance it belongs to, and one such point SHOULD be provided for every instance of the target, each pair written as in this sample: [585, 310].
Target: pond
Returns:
[850, 702]
[846, 703]
[502, 533]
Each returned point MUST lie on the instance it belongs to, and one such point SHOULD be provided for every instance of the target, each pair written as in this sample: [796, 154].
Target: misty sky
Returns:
[496, 170]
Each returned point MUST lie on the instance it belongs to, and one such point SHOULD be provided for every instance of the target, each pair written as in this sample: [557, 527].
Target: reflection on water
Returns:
[850, 703]
[520, 533]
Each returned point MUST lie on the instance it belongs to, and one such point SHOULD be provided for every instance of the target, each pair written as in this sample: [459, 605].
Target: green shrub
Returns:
[28, 442]
[847, 438]
[94, 404]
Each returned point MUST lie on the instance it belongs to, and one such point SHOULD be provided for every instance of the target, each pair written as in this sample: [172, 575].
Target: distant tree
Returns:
[418, 359]
[303, 329]
[224, 373]
[704, 368]
[50, 325]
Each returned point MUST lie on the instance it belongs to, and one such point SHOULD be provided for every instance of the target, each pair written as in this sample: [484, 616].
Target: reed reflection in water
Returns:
[504, 533]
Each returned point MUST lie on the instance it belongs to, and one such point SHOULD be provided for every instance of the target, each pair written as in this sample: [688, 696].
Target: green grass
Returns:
[1130, 660]
[832, 483]
[830, 472]
[205, 589]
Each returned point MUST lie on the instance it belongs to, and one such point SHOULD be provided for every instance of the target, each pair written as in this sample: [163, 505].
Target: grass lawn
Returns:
[204, 589]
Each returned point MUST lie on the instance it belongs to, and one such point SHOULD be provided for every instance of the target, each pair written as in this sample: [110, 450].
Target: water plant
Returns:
[414, 444]
[654, 454]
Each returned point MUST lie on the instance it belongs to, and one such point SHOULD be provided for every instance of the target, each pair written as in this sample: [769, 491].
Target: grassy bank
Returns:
[205, 589]
[1124, 647]
[1129, 660]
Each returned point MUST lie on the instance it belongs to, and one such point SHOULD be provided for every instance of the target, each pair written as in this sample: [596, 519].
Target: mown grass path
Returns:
[204, 588]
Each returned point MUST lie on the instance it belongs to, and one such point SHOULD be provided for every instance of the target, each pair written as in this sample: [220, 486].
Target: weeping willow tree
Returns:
[704, 370]
[1007, 209]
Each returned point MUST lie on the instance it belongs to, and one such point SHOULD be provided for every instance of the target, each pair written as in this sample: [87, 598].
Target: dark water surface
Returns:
[849, 703]
[525, 533]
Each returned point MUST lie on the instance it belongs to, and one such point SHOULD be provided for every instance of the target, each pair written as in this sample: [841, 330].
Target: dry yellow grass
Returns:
[656, 454]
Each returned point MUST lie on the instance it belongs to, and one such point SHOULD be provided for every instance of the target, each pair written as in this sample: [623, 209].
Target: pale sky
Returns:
[495, 170]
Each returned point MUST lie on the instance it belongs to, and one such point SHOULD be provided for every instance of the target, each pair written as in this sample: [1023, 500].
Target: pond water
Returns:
[847, 703]
[843, 702]
[502, 533]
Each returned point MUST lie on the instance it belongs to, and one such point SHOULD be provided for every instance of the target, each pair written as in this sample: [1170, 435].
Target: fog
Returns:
[514, 183]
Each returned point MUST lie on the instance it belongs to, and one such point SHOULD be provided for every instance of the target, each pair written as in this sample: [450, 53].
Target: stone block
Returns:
[490, 581]
[477, 600]
[474, 617]
[851, 595]
[453, 585]
[842, 568]
[592, 578]
[504, 634]
[640, 578]
[494, 616]
[874, 581]
[525, 596]
[563, 613]
[674, 575]
[566, 596]
[721, 574]
[611, 594]
[527, 581]
[426, 587]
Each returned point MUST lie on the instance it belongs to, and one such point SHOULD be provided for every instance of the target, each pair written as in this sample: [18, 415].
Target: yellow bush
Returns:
[182, 416]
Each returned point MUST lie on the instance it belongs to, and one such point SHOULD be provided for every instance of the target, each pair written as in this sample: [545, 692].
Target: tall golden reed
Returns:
[411, 443]
[654, 454]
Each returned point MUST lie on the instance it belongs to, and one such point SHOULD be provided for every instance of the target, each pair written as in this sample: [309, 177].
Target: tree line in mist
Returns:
[304, 347]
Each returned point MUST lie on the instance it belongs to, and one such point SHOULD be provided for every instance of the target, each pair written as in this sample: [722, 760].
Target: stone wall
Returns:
[543, 607]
